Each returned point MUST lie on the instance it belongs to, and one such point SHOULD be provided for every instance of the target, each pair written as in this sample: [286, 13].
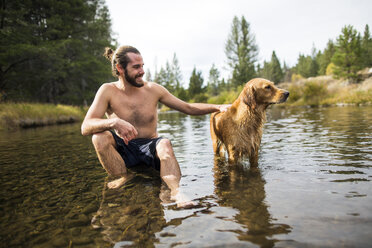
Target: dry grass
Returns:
[327, 91]
[15, 115]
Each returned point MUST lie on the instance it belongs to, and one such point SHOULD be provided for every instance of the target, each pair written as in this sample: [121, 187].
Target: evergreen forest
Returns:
[51, 52]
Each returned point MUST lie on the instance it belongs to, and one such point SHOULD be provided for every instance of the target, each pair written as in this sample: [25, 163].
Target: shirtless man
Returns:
[128, 136]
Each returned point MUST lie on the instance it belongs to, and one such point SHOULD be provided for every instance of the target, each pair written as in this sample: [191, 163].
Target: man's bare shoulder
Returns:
[108, 86]
[155, 88]
[152, 85]
[107, 89]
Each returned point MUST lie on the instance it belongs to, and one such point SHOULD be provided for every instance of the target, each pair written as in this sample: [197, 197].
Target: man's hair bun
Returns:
[108, 53]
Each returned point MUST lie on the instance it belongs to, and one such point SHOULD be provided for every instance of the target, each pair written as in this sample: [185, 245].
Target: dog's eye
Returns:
[267, 87]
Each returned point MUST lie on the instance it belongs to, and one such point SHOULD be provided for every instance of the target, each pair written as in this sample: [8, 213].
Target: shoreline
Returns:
[322, 91]
[29, 123]
[15, 116]
[25, 123]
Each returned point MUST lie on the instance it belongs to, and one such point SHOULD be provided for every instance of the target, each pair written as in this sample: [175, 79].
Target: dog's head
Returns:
[260, 91]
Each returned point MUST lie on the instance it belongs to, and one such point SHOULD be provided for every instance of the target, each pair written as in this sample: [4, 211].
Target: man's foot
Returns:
[120, 182]
[183, 201]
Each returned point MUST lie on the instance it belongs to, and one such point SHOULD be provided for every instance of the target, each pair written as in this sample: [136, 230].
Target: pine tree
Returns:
[287, 73]
[241, 51]
[348, 54]
[306, 66]
[148, 75]
[276, 69]
[169, 82]
[367, 47]
[213, 81]
[170, 77]
[196, 83]
[265, 71]
[326, 57]
[314, 65]
[179, 91]
[162, 77]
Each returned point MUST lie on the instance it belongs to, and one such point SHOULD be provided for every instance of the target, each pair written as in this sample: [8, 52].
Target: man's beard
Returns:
[132, 80]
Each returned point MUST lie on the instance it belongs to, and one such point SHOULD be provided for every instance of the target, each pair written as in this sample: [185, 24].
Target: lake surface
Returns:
[312, 187]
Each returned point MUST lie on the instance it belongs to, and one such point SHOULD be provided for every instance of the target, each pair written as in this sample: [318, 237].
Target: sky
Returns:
[197, 30]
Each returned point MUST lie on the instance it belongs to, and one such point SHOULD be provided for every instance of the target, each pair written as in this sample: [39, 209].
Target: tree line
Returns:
[342, 58]
[51, 51]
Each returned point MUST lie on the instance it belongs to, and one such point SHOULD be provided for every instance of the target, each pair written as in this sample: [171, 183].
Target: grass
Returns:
[225, 97]
[321, 91]
[357, 97]
[15, 115]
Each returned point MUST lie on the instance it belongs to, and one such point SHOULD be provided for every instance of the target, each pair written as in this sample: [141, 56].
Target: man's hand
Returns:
[224, 107]
[125, 130]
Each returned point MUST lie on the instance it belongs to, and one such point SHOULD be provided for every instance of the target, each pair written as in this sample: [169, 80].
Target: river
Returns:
[312, 187]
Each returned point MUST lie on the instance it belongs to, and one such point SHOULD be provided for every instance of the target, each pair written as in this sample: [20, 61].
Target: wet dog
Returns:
[239, 129]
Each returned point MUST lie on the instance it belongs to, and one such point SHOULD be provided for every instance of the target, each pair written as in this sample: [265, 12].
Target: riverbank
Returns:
[326, 91]
[317, 91]
[24, 115]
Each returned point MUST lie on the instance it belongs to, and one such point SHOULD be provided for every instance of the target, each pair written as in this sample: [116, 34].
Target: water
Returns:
[312, 187]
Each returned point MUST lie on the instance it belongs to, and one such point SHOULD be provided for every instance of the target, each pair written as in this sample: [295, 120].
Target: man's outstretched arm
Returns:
[188, 108]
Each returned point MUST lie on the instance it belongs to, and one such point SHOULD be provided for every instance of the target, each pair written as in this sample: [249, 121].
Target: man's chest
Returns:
[139, 111]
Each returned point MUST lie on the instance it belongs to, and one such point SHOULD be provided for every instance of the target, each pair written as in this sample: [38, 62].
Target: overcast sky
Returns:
[197, 30]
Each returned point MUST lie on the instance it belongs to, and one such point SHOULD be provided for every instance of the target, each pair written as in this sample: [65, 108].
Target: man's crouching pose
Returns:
[128, 137]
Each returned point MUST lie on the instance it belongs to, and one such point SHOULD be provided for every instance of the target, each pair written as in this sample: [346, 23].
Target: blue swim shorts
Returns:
[138, 151]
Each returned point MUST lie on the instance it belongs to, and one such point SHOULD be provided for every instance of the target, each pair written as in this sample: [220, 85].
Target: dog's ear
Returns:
[249, 97]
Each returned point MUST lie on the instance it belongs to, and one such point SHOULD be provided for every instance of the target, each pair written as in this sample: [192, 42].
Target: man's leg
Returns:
[170, 172]
[110, 159]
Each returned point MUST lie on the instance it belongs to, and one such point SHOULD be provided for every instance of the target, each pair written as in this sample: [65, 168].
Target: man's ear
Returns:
[120, 68]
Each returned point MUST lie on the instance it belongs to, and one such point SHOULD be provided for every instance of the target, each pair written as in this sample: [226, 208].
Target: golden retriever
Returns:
[239, 129]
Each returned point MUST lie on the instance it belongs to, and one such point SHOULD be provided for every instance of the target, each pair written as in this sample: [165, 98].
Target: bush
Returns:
[296, 92]
[310, 93]
[201, 97]
[225, 97]
[314, 92]
[296, 77]
[330, 69]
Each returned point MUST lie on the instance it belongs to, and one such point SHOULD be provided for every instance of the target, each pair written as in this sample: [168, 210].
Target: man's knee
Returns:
[164, 149]
[102, 141]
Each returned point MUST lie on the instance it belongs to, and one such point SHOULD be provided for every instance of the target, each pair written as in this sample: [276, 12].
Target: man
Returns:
[128, 136]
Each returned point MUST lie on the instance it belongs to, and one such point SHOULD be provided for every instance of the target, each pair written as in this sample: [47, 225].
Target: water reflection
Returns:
[132, 213]
[243, 188]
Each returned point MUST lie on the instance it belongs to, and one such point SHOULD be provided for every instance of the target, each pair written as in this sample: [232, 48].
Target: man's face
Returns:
[134, 71]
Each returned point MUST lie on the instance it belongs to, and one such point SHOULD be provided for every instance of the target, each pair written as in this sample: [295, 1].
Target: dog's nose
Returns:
[284, 96]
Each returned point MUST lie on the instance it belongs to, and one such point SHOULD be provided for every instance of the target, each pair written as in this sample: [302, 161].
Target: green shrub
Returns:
[295, 93]
[201, 97]
[225, 97]
[314, 92]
